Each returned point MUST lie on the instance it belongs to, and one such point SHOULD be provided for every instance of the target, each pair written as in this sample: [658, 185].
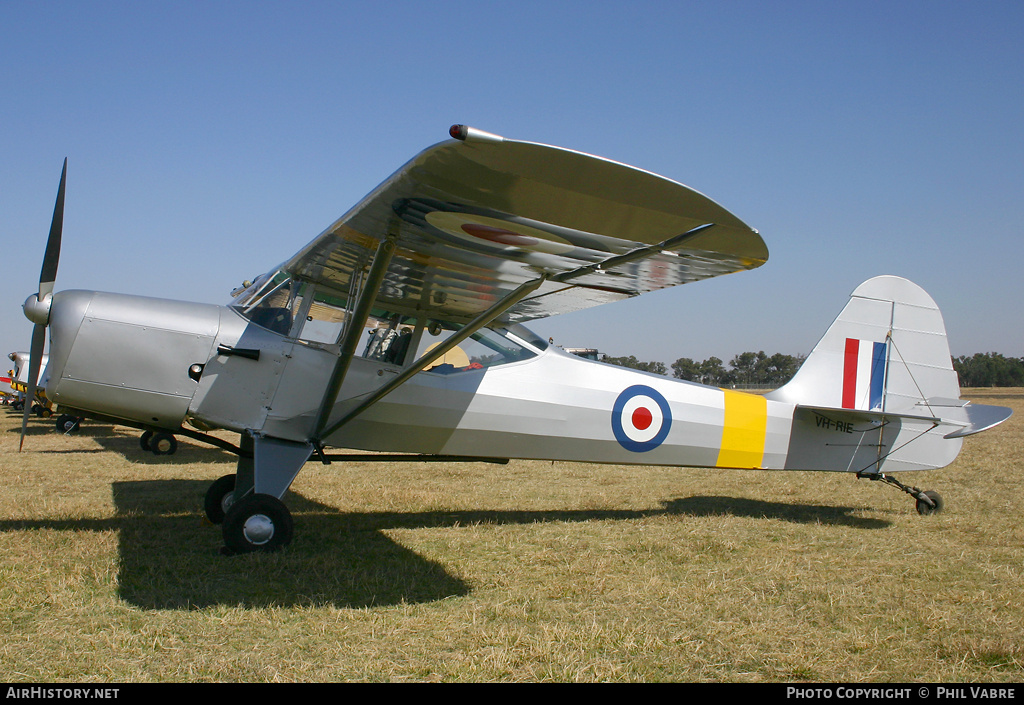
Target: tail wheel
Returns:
[924, 508]
[257, 522]
[928, 501]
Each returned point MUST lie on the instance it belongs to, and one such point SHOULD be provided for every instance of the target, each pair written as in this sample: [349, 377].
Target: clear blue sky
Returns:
[208, 141]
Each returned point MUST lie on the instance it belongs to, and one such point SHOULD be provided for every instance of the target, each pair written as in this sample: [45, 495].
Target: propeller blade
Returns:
[48, 274]
[47, 278]
[35, 358]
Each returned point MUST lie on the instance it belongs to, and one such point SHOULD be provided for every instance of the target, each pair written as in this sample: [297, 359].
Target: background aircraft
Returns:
[399, 330]
[19, 385]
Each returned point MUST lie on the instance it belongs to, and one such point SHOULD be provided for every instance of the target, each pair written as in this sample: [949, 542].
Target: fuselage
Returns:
[504, 393]
[166, 363]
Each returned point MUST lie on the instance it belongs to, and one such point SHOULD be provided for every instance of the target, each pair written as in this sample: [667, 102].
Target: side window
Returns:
[485, 348]
[324, 320]
[388, 338]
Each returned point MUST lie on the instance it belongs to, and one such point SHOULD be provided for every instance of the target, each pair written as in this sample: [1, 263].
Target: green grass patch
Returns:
[527, 572]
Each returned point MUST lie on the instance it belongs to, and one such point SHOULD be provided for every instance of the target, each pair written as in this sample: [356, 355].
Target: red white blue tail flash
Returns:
[863, 374]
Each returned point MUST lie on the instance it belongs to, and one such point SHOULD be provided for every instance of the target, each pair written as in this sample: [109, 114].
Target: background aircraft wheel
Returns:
[66, 423]
[219, 499]
[924, 509]
[257, 522]
[144, 440]
[163, 444]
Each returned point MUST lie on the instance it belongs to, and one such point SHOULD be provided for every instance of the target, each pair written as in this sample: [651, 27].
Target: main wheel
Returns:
[219, 499]
[66, 423]
[924, 509]
[163, 443]
[144, 440]
[257, 522]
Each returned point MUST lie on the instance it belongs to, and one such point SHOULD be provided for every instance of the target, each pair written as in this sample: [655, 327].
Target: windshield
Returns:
[289, 307]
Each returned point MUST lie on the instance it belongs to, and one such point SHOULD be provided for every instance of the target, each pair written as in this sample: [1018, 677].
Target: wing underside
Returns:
[474, 219]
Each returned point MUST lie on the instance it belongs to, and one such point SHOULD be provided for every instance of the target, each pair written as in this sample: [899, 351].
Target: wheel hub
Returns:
[258, 529]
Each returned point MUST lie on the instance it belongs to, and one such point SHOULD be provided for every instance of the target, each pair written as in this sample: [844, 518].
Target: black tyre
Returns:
[66, 423]
[257, 522]
[219, 499]
[144, 440]
[163, 444]
[924, 509]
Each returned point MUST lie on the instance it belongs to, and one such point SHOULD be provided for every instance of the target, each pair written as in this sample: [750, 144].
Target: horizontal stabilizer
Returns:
[974, 418]
[969, 418]
[876, 418]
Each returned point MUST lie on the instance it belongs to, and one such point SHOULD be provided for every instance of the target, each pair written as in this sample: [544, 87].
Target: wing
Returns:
[475, 217]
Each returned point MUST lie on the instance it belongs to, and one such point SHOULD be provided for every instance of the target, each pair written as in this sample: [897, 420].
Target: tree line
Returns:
[762, 370]
[748, 368]
[989, 370]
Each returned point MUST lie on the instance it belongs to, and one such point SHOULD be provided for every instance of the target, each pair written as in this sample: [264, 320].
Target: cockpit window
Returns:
[315, 314]
[484, 348]
[318, 315]
[527, 336]
[271, 302]
[388, 338]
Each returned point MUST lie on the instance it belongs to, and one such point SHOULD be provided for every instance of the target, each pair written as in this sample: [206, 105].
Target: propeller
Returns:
[37, 306]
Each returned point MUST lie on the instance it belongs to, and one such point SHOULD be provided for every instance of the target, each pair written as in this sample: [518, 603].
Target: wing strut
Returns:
[669, 245]
[354, 330]
[436, 353]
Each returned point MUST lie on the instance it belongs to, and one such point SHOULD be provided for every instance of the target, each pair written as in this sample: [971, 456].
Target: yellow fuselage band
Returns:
[746, 420]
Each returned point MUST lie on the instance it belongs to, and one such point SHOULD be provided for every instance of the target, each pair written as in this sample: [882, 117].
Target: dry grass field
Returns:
[530, 571]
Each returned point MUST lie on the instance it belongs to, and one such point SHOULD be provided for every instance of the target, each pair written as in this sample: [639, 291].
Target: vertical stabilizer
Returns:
[886, 351]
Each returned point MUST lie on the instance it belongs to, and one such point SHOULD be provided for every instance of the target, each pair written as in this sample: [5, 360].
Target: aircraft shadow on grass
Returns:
[169, 554]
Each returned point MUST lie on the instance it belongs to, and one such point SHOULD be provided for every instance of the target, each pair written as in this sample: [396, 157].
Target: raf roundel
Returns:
[641, 419]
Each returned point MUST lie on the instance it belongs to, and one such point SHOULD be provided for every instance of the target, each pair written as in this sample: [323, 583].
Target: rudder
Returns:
[886, 351]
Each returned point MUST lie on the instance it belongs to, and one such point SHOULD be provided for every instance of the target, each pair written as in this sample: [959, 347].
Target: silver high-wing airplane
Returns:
[399, 330]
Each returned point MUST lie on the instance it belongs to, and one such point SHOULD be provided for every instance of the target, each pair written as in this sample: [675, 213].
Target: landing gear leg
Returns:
[255, 518]
[928, 501]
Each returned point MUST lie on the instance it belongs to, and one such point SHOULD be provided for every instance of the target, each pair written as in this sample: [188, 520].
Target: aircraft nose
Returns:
[67, 311]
